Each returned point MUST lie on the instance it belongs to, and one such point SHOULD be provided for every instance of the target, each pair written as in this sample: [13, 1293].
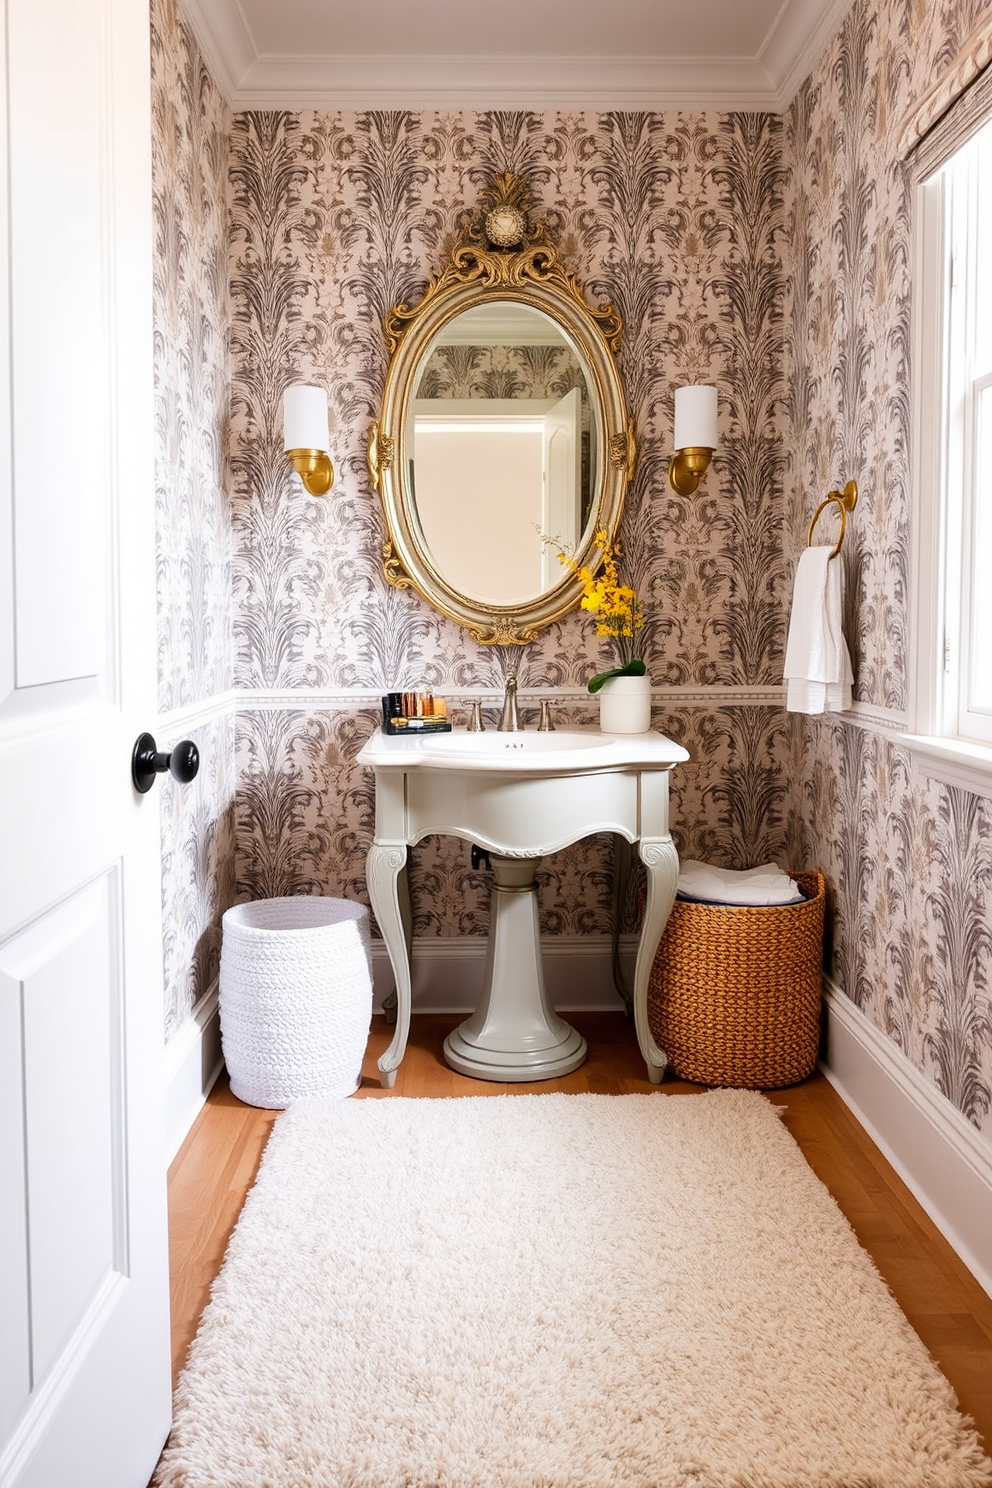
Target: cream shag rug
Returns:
[555, 1291]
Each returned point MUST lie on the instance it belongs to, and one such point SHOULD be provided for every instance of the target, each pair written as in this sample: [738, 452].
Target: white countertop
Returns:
[561, 751]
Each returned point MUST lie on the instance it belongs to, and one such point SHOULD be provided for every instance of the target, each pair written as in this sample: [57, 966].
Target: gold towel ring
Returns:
[846, 501]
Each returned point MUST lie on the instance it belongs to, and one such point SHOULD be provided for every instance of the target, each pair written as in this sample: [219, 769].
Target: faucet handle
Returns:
[546, 725]
[475, 723]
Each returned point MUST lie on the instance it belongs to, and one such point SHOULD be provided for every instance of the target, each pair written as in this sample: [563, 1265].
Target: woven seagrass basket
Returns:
[735, 991]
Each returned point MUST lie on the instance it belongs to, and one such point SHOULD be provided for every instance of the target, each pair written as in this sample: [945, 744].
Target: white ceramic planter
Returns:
[625, 705]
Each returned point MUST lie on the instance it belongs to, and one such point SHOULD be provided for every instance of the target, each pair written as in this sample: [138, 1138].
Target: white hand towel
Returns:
[817, 670]
[768, 884]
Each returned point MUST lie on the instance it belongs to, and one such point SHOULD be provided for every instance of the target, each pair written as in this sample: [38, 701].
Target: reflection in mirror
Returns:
[501, 451]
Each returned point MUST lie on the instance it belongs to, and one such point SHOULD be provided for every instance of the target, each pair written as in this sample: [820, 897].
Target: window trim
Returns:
[973, 718]
[933, 739]
[929, 401]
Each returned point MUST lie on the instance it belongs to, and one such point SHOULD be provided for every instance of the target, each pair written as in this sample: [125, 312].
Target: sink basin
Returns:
[501, 746]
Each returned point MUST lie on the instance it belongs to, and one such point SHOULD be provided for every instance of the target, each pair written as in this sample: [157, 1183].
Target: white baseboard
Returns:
[939, 1155]
[447, 973]
[447, 978]
[193, 1060]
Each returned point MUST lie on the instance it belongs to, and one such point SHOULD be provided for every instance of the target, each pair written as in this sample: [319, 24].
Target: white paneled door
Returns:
[84, 1347]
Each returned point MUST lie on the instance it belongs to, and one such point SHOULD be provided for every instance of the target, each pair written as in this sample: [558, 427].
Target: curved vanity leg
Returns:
[662, 864]
[385, 872]
[621, 878]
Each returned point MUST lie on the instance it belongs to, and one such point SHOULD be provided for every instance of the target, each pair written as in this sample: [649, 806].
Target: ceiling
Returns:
[618, 54]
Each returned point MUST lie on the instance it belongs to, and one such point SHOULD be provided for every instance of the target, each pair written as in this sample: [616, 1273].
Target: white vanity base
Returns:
[520, 796]
[514, 1034]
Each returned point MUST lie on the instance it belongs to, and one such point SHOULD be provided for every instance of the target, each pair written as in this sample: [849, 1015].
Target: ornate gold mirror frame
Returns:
[500, 258]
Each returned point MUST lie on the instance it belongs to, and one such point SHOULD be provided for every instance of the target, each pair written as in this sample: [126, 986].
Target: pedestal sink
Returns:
[520, 796]
[514, 1034]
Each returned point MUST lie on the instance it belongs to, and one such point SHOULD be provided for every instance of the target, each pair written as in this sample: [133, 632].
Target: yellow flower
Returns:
[615, 605]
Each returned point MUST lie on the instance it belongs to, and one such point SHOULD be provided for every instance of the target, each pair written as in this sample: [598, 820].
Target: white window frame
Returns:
[952, 738]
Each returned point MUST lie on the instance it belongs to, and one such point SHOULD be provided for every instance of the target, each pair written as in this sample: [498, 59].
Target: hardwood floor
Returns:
[949, 1310]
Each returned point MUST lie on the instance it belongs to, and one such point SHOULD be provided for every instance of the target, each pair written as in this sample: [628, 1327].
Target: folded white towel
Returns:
[768, 884]
[817, 670]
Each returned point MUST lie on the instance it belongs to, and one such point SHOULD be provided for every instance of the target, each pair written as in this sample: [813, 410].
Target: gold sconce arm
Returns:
[687, 468]
[314, 468]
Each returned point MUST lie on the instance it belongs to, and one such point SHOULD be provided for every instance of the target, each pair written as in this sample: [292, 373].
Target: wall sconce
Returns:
[695, 437]
[304, 417]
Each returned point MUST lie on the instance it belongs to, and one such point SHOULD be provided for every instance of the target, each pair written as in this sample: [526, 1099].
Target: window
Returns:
[954, 452]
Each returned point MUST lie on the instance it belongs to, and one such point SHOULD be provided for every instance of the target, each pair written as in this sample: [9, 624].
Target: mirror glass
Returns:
[501, 449]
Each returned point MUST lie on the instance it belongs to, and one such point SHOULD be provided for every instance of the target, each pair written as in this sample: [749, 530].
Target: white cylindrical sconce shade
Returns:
[304, 416]
[695, 418]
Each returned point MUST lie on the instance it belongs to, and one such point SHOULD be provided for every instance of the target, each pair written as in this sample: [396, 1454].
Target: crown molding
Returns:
[766, 82]
[478, 83]
[224, 41]
[801, 32]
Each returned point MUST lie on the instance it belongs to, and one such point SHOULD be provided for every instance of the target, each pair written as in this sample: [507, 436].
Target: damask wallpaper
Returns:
[678, 222]
[191, 128]
[501, 372]
[909, 859]
[767, 255]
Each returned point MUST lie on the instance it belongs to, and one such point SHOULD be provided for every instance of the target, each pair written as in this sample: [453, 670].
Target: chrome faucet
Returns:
[509, 719]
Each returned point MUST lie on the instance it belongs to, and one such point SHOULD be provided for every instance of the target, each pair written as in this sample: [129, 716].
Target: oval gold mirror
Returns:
[503, 425]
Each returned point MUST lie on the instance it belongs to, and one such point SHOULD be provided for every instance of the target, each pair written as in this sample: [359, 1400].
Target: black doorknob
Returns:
[147, 762]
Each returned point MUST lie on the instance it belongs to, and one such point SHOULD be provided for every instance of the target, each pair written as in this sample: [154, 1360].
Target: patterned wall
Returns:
[909, 859]
[678, 221]
[191, 127]
[768, 256]
[460, 371]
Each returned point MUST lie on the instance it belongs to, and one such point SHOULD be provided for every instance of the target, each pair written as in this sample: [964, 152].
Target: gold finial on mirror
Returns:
[505, 205]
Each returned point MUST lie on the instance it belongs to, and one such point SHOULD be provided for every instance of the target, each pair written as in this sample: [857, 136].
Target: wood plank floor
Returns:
[949, 1310]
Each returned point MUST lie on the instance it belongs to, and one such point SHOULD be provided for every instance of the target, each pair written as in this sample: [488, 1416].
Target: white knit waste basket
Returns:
[295, 998]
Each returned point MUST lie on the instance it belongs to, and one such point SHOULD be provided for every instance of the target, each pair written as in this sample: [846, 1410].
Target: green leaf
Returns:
[632, 669]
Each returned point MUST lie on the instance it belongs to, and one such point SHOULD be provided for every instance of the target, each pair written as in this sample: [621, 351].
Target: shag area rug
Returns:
[555, 1291]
